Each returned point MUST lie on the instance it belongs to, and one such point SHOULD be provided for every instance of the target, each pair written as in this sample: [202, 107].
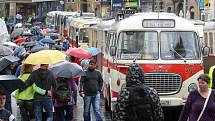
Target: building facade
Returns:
[45, 6]
[12, 7]
[192, 8]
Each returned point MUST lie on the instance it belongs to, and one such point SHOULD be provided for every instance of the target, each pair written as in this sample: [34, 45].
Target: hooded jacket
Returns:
[135, 76]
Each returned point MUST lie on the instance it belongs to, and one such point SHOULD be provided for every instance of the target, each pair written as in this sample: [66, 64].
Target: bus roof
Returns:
[84, 23]
[67, 13]
[209, 26]
[52, 13]
[135, 22]
[104, 25]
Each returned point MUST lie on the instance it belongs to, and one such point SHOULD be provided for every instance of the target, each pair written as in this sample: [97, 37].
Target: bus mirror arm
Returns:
[173, 50]
[113, 51]
[114, 60]
[139, 54]
[205, 51]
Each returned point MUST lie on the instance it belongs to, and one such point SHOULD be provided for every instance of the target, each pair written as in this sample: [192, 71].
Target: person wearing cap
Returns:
[90, 88]
[196, 101]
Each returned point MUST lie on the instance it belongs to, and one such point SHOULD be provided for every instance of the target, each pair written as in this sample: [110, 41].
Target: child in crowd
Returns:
[5, 115]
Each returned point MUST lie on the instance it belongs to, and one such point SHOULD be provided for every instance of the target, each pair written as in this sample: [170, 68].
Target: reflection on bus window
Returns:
[138, 45]
[179, 45]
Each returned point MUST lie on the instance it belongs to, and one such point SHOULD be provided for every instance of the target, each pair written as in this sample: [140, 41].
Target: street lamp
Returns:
[61, 2]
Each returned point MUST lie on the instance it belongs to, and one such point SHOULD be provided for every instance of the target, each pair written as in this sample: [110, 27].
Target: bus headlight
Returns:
[192, 87]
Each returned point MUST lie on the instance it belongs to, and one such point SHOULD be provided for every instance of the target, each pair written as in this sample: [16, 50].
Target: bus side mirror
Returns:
[112, 50]
[206, 51]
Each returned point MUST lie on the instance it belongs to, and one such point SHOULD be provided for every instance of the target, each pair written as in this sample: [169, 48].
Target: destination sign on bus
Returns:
[158, 23]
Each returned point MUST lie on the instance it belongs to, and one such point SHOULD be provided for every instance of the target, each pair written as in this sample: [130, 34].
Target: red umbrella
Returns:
[79, 53]
[20, 41]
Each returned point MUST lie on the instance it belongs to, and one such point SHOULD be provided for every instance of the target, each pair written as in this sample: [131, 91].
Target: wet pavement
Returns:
[78, 111]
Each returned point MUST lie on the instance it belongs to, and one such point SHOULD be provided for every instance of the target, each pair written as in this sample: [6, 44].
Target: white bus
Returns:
[167, 48]
[78, 30]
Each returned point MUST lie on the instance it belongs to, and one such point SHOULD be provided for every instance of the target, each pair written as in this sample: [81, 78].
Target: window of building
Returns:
[211, 42]
[206, 39]
[69, 1]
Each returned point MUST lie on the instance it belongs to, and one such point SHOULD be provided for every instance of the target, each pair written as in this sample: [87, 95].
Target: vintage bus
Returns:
[51, 18]
[78, 30]
[166, 46]
[62, 20]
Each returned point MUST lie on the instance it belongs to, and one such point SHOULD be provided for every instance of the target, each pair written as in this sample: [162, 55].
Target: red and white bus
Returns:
[167, 48]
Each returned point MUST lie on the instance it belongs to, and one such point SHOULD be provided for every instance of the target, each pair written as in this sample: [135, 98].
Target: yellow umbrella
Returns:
[45, 57]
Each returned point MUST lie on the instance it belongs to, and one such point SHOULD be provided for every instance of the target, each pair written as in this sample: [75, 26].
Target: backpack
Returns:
[140, 104]
[63, 92]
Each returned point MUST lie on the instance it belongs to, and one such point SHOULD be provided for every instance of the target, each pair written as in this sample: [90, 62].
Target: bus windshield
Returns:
[138, 45]
[179, 45]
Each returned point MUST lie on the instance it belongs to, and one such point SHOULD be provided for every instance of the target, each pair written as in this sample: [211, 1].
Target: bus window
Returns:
[175, 45]
[107, 43]
[137, 45]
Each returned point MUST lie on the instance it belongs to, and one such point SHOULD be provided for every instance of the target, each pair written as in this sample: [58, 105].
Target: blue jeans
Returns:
[95, 101]
[60, 113]
[45, 103]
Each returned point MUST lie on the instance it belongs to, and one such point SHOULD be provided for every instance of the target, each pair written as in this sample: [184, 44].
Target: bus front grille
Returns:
[164, 83]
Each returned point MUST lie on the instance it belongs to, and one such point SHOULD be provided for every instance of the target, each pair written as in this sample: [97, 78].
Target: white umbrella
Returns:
[10, 44]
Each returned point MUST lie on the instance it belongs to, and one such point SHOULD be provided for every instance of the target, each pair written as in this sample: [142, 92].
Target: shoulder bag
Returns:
[205, 104]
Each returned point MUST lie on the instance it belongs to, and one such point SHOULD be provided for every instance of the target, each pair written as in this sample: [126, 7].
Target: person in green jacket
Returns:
[25, 98]
[212, 77]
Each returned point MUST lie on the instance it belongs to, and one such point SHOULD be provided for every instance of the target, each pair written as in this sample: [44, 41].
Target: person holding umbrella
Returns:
[44, 79]
[7, 65]
[25, 98]
[8, 71]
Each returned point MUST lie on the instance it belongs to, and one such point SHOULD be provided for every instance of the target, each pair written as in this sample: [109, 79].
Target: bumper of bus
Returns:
[165, 102]
[171, 101]
[113, 103]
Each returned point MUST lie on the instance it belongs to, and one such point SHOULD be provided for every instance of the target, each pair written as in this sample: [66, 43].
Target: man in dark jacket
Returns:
[90, 88]
[44, 79]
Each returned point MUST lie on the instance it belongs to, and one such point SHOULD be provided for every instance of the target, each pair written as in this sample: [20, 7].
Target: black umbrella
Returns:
[52, 34]
[29, 44]
[9, 83]
[7, 60]
[47, 40]
[58, 47]
[38, 48]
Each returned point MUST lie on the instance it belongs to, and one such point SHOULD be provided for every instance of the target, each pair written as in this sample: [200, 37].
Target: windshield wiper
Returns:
[173, 50]
[139, 53]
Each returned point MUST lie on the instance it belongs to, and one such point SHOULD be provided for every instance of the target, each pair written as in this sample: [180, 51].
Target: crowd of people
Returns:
[43, 90]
